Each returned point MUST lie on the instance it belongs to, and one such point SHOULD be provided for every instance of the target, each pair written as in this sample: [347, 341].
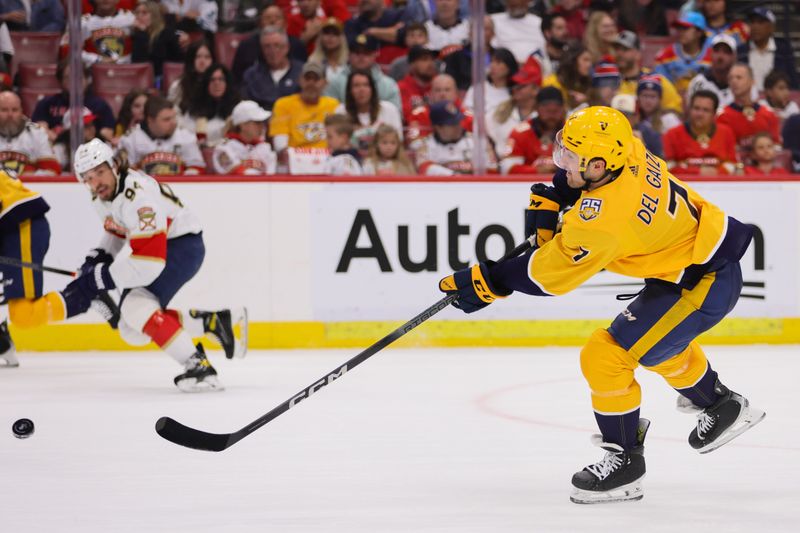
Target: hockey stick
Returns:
[176, 432]
[35, 266]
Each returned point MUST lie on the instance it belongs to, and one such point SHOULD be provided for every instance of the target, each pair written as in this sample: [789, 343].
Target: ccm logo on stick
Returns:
[300, 396]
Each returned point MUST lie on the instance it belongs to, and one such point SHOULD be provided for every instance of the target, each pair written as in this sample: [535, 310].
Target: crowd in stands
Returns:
[382, 87]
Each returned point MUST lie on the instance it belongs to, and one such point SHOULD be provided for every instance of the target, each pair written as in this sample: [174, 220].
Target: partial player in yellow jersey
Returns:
[630, 216]
[25, 238]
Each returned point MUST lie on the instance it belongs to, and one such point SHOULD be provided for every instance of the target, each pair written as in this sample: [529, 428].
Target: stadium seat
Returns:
[30, 97]
[38, 76]
[651, 46]
[795, 96]
[113, 77]
[208, 157]
[113, 98]
[225, 45]
[34, 47]
[170, 73]
[783, 159]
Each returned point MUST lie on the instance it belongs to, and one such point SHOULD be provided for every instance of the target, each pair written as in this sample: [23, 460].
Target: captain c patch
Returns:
[590, 208]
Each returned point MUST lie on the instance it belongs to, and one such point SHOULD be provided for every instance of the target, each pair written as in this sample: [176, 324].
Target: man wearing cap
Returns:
[744, 116]
[764, 52]
[363, 53]
[61, 146]
[416, 86]
[249, 50]
[529, 149]
[274, 75]
[715, 78]
[298, 121]
[24, 148]
[443, 89]
[520, 108]
[680, 62]
[244, 150]
[701, 145]
[448, 150]
[628, 55]
[626, 104]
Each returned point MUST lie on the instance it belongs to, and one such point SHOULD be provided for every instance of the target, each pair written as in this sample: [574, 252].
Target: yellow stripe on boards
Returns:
[435, 333]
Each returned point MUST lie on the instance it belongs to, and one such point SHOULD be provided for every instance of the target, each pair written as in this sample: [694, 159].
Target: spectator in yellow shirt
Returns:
[298, 121]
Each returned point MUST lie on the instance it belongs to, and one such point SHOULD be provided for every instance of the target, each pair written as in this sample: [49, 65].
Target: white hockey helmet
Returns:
[91, 155]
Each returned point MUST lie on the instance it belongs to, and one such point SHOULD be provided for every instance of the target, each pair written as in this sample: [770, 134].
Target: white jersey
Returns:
[705, 81]
[144, 214]
[342, 163]
[234, 156]
[29, 152]
[178, 154]
[440, 38]
[436, 158]
[106, 37]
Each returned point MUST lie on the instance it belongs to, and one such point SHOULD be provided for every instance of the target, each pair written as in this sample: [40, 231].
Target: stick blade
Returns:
[175, 432]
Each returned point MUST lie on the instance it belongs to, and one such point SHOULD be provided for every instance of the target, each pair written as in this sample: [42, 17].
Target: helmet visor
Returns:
[564, 158]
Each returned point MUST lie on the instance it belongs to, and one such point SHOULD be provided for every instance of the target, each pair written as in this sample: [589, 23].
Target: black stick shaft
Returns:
[176, 432]
[35, 266]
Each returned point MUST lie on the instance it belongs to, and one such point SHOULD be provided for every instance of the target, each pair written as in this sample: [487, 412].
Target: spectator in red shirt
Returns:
[416, 86]
[307, 20]
[744, 116]
[575, 13]
[443, 89]
[530, 145]
[701, 145]
[762, 157]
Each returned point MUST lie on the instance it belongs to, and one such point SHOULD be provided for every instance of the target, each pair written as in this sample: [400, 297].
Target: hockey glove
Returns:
[474, 287]
[541, 217]
[94, 280]
[95, 257]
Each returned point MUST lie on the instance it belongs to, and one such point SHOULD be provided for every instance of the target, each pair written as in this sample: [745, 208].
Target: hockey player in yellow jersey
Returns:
[24, 237]
[632, 217]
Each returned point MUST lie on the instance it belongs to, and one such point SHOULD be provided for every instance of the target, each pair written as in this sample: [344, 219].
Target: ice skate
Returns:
[617, 477]
[106, 307]
[221, 326]
[8, 352]
[720, 423]
[200, 376]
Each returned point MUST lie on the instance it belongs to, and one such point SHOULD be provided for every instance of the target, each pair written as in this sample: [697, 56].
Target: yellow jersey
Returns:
[645, 224]
[303, 123]
[17, 202]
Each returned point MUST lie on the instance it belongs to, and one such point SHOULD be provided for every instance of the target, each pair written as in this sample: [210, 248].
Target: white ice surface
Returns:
[482, 440]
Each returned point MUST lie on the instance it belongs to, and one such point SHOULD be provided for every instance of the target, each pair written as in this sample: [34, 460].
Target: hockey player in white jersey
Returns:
[244, 150]
[157, 146]
[164, 251]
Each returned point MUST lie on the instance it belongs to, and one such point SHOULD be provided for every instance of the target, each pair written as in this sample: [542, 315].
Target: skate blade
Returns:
[626, 493]
[240, 323]
[748, 418]
[210, 384]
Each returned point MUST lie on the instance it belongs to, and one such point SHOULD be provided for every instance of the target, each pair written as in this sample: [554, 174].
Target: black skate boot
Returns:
[220, 325]
[106, 307]
[730, 416]
[8, 352]
[200, 376]
[617, 477]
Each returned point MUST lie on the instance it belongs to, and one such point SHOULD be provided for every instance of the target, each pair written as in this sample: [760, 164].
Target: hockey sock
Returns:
[619, 428]
[166, 331]
[702, 393]
[192, 325]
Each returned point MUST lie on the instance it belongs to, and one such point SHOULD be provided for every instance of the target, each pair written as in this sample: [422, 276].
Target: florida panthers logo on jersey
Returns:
[590, 208]
[109, 42]
[161, 164]
[14, 161]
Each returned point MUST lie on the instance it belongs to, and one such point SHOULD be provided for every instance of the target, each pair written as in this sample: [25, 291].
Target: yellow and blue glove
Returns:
[474, 287]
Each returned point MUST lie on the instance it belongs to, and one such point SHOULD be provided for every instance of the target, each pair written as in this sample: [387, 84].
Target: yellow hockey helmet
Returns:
[598, 132]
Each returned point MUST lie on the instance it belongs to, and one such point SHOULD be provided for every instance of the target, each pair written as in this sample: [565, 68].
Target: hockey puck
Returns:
[23, 428]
